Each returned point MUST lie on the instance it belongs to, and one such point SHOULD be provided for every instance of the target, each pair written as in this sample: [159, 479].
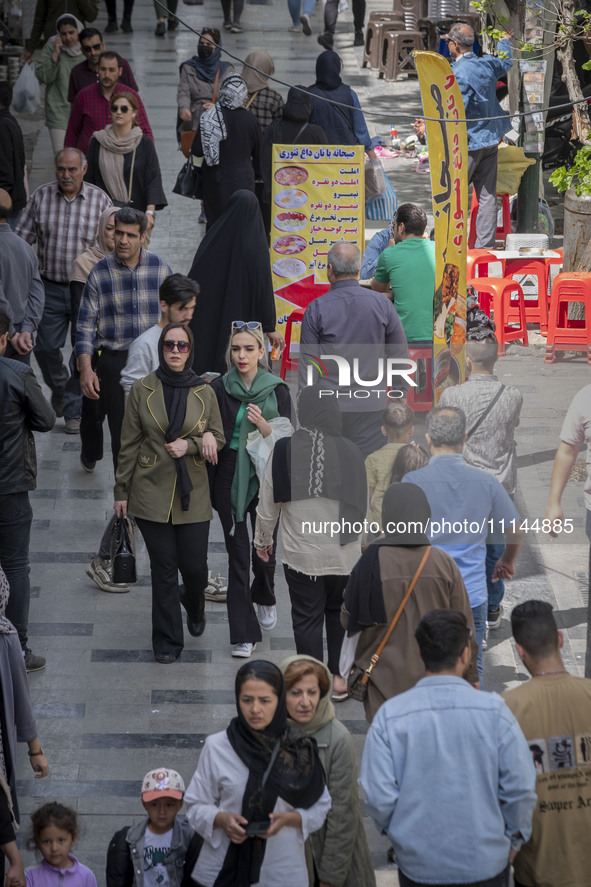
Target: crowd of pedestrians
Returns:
[198, 421]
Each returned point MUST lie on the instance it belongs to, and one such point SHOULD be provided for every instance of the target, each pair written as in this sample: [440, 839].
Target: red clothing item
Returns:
[91, 111]
[82, 75]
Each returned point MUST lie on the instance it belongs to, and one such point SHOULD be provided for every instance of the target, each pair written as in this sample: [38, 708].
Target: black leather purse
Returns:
[122, 551]
[189, 181]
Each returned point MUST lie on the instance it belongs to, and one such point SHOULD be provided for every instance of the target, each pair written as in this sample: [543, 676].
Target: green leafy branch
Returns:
[578, 174]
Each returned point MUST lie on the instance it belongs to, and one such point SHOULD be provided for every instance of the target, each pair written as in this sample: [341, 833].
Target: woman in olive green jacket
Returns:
[58, 57]
[171, 427]
[338, 854]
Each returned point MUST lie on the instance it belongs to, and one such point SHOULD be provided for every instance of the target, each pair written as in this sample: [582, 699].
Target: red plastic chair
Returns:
[536, 310]
[501, 232]
[420, 401]
[288, 362]
[477, 258]
[564, 333]
[495, 295]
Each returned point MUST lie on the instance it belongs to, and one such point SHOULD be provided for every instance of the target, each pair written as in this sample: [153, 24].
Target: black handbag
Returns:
[122, 551]
[189, 181]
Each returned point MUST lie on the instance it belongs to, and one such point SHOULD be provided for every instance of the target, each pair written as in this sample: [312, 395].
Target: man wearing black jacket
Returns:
[12, 155]
[24, 410]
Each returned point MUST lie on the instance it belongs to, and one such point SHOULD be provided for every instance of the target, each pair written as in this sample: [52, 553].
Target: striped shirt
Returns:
[62, 228]
[91, 111]
[119, 303]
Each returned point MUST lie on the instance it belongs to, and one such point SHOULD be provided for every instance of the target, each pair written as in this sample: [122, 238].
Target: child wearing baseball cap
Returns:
[162, 849]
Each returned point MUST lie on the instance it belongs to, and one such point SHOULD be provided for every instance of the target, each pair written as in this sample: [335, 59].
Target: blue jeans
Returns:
[51, 338]
[479, 616]
[306, 7]
[15, 535]
[496, 590]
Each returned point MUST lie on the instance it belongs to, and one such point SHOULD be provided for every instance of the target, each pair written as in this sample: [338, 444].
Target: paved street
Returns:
[106, 712]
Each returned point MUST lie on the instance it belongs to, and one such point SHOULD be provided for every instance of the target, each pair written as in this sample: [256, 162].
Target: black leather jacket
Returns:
[23, 409]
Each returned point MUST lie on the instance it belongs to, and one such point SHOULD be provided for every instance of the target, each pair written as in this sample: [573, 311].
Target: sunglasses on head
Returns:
[248, 324]
[182, 347]
[86, 49]
[123, 108]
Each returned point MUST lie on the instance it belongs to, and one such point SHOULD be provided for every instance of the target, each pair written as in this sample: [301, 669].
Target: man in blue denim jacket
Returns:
[446, 770]
[477, 79]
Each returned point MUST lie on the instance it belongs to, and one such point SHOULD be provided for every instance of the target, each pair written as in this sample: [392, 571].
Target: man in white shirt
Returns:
[178, 297]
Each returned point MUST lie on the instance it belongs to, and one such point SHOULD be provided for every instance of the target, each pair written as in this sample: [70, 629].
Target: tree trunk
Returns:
[564, 54]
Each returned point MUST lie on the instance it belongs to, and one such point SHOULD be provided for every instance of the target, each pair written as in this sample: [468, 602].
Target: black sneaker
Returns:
[160, 29]
[126, 26]
[325, 41]
[359, 39]
[87, 464]
[172, 24]
[32, 662]
[58, 404]
[112, 26]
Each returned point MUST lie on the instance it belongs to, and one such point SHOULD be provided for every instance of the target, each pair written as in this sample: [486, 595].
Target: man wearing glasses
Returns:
[121, 299]
[91, 110]
[477, 79]
[86, 73]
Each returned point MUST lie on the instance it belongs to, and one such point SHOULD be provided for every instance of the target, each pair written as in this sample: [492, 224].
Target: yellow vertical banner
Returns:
[448, 162]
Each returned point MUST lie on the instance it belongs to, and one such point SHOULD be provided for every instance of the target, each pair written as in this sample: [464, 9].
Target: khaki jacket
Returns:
[146, 474]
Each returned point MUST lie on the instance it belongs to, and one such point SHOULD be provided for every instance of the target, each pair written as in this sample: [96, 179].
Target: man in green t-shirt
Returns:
[408, 269]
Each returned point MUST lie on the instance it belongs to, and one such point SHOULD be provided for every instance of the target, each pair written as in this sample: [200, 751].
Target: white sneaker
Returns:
[267, 617]
[243, 651]
[295, 29]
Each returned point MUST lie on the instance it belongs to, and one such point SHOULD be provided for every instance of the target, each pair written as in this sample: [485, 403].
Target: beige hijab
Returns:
[83, 265]
[324, 714]
[111, 158]
[264, 63]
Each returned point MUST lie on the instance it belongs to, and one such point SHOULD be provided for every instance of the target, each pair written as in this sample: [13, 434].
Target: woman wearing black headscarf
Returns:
[233, 271]
[292, 128]
[316, 479]
[342, 125]
[171, 427]
[378, 585]
[228, 139]
[258, 791]
[198, 77]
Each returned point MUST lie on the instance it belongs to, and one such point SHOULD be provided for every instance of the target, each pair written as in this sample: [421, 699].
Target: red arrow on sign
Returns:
[301, 292]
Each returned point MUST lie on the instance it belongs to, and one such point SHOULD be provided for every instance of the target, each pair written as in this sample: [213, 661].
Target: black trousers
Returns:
[242, 594]
[111, 404]
[316, 600]
[331, 11]
[112, 8]
[174, 547]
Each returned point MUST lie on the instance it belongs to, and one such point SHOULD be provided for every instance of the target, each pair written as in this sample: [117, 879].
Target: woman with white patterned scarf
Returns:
[228, 139]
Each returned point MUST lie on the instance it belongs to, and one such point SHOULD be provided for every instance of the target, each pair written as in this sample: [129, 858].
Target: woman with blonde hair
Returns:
[123, 161]
[250, 398]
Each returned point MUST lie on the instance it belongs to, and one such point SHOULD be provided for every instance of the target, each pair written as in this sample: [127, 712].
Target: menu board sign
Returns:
[318, 198]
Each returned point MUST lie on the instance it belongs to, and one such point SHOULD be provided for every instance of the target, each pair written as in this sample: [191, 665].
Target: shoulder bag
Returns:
[481, 418]
[359, 677]
[189, 181]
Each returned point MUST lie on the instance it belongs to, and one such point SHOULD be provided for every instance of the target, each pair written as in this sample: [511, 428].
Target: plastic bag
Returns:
[259, 448]
[512, 163]
[382, 208]
[375, 178]
[26, 92]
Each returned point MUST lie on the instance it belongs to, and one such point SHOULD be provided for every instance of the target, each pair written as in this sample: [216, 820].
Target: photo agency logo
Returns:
[362, 377]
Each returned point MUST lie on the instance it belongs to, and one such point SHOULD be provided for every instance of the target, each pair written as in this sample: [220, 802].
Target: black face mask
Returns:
[204, 50]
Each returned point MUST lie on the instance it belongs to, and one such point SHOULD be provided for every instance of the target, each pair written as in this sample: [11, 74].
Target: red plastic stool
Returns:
[287, 362]
[564, 333]
[501, 232]
[536, 310]
[494, 293]
[421, 400]
[476, 258]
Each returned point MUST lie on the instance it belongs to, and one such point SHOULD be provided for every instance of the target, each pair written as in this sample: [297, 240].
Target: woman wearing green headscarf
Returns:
[337, 854]
[249, 397]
